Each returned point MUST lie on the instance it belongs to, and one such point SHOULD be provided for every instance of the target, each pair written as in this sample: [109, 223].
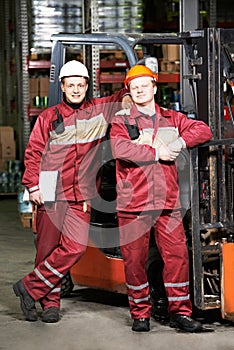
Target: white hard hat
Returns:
[73, 68]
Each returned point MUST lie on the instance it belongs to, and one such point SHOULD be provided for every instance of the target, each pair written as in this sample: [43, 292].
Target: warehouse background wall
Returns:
[19, 34]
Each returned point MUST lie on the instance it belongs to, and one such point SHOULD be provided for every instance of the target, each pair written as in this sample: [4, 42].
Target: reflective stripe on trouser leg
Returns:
[73, 242]
[135, 254]
[171, 242]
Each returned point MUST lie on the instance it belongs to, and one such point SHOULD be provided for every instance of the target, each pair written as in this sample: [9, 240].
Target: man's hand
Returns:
[167, 154]
[36, 198]
[127, 102]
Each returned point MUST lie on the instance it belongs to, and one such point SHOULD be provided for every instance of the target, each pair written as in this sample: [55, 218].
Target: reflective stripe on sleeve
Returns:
[33, 189]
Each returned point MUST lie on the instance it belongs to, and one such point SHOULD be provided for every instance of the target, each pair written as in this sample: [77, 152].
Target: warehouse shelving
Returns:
[38, 64]
[37, 67]
[110, 72]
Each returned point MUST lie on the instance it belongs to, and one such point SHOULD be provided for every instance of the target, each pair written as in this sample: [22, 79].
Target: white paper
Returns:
[47, 185]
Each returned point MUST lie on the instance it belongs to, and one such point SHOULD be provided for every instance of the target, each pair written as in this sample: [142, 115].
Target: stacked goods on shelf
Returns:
[7, 143]
[10, 174]
[51, 17]
[171, 58]
[39, 90]
[34, 91]
[120, 16]
[65, 16]
[169, 95]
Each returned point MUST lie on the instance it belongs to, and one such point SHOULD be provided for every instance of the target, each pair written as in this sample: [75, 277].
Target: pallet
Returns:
[26, 219]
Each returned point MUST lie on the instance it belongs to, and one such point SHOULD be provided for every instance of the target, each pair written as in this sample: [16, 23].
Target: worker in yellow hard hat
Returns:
[146, 141]
[138, 71]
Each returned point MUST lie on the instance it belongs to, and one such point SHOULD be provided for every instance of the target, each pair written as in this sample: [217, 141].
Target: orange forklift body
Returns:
[227, 281]
[96, 269]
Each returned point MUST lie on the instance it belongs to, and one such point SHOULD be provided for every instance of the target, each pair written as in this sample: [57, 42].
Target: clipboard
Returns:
[47, 184]
[165, 136]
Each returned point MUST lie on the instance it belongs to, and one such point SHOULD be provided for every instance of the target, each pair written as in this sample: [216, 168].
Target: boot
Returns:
[26, 302]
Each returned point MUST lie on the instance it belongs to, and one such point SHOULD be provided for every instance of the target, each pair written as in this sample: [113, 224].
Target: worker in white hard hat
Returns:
[63, 152]
[77, 74]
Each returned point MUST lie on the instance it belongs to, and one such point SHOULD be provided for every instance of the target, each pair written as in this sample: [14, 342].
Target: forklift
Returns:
[207, 186]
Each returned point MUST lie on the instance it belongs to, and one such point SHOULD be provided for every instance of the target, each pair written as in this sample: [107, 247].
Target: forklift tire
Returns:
[67, 286]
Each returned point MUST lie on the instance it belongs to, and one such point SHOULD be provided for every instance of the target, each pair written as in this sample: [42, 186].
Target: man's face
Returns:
[74, 88]
[142, 90]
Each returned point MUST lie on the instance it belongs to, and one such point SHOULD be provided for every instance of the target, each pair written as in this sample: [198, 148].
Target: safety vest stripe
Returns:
[56, 290]
[56, 142]
[85, 130]
[80, 141]
[69, 132]
[186, 297]
[55, 272]
[171, 285]
[37, 272]
[149, 130]
[100, 136]
[137, 301]
[137, 287]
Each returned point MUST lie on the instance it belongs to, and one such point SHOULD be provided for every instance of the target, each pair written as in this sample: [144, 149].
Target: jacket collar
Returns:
[68, 110]
[135, 113]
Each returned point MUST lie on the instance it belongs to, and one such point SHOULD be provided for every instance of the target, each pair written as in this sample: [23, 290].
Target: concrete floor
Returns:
[90, 319]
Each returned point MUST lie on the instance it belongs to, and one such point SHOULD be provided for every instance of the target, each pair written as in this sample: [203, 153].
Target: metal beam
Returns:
[189, 19]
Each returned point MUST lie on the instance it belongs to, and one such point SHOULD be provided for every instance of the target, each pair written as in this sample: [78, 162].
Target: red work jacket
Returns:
[142, 182]
[75, 153]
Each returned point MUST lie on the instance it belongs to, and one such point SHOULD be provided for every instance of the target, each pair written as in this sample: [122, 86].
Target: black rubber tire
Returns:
[67, 285]
[158, 296]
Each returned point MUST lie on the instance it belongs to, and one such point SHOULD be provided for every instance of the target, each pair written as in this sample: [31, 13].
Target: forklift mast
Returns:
[210, 76]
[212, 164]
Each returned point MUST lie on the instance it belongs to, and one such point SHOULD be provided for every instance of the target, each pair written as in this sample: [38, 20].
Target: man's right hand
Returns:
[127, 101]
[167, 154]
[177, 145]
[36, 198]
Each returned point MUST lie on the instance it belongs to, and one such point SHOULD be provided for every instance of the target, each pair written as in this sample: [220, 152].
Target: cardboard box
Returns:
[171, 52]
[34, 86]
[6, 134]
[44, 86]
[26, 220]
[33, 91]
[169, 66]
[8, 150]
[3, 165]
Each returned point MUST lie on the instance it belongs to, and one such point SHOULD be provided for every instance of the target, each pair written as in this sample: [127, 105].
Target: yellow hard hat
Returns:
[139, 71]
